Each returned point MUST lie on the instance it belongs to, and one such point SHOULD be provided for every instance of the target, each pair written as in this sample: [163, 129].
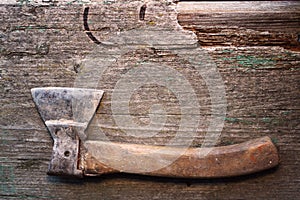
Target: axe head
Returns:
[59, 105]
[66, 113]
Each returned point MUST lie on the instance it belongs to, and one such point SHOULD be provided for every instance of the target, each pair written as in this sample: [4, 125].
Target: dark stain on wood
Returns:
[142, 12]
[86, 26]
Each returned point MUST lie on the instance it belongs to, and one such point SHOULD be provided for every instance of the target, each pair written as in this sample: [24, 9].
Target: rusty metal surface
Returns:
[57, 107]
[78, 105]
[64, 161]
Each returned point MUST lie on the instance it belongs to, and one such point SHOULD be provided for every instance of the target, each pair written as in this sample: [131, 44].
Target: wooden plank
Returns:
[243, 24]
[45, 46]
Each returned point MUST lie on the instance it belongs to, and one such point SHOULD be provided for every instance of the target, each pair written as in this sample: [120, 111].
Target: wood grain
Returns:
[243, 24]
[255, 46]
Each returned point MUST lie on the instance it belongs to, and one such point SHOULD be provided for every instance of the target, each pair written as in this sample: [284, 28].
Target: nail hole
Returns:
[76, 68]
[67, 153]
[143, 12]
[56, 131]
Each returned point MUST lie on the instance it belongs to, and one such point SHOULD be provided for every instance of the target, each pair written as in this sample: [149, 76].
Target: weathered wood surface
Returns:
[256, 49]
[246, 24]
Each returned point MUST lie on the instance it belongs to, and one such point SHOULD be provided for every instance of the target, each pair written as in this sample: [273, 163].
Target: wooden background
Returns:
[255, 46]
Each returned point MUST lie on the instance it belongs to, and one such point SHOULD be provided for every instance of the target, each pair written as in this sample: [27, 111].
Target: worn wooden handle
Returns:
[226, 161]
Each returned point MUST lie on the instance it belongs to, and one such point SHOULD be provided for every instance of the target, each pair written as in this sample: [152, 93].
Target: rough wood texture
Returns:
[226, 161]
[243, 24]
[256, 53]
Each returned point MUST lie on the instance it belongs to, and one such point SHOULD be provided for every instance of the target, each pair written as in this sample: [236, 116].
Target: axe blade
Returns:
[64, 105]
[66, 113]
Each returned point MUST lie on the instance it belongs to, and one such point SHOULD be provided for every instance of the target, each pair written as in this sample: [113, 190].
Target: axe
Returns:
[74, 155]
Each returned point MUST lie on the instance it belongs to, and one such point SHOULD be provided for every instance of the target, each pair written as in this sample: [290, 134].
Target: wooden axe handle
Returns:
[225, 161]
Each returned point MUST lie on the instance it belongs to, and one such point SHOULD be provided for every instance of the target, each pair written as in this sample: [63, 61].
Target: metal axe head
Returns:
[66, 113]
[62, 105]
